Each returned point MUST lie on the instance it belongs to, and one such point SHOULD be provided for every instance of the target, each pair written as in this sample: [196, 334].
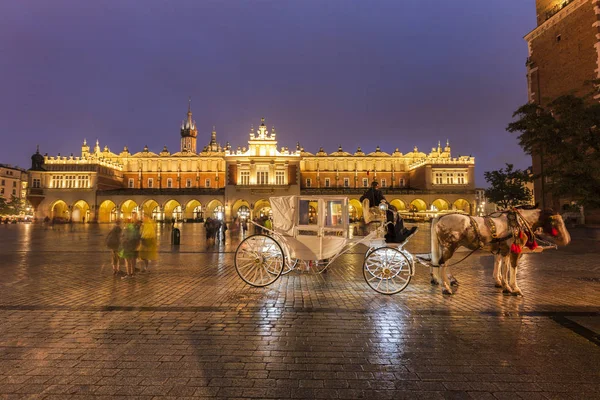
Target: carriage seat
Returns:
[372, 214]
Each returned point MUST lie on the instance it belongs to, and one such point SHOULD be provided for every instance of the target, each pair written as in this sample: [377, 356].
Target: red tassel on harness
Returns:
[515, 248]
[531, 244]
[554, 232]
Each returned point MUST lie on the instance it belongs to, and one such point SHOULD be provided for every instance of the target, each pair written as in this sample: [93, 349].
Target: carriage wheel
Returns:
[290, 265]
[387, 270]
[259, 260]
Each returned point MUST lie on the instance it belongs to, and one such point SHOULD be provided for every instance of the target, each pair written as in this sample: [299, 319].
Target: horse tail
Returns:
[436, 252]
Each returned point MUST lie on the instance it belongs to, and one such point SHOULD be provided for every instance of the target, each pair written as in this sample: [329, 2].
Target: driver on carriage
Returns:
[396, 232]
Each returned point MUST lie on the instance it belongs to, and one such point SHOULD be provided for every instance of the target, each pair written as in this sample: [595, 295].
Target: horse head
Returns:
[553, 228]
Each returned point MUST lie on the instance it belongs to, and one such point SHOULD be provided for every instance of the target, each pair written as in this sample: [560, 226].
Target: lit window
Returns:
[188, 183]
[131, 183]
[280, 178]
[327, 182]
[169, 182]
[308, 182]
[244, 177]
[207, 183]
[365, 182]
[346, 182]
[150, 182]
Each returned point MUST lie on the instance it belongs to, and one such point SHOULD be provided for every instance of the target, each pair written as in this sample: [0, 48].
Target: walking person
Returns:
[130, 242]
[113, 242]
[149, 245]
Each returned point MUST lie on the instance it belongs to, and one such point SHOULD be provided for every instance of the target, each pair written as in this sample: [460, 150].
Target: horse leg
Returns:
[445, 281]
[514, 259]
[506, 264]
[446, 256]
[497, 271]
[453, 280]
[435, 275]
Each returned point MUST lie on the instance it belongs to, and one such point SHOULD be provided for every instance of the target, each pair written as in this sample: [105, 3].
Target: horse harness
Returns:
[515, 227]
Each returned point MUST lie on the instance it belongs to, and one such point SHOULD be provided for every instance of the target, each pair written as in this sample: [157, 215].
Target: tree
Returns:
[567, 138]
[16, 206]
[4, 208]
[507, 187]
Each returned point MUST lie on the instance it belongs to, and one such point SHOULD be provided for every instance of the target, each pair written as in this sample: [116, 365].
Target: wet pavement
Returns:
[190, 327]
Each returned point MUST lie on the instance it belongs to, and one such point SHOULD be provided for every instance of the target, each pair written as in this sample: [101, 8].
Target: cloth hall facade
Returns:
[223, 182]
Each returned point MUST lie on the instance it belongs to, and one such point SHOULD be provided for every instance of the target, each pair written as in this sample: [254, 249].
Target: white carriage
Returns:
[310, 232]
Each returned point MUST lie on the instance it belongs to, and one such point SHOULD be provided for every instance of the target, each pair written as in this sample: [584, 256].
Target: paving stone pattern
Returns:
[191, 328]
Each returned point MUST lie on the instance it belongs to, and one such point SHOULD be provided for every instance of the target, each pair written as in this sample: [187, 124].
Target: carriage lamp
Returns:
[383, 206]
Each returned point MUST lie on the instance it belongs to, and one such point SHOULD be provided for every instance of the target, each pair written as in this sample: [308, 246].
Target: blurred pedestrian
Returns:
[113, 242]
[130, 242]
[149, 245]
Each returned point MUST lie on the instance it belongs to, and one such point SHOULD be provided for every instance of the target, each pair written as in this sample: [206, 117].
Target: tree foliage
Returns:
[566, 135]
[507, 187]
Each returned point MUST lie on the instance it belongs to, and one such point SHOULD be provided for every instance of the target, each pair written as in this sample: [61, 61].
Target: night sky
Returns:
[397, 74]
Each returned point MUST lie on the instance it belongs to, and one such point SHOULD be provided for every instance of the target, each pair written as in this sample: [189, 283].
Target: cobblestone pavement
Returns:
[190, 327]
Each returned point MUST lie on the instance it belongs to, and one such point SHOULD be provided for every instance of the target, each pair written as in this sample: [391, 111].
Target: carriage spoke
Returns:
[386, 270]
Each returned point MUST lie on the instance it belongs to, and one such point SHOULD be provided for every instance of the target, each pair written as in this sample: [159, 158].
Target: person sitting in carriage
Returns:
[396, 232]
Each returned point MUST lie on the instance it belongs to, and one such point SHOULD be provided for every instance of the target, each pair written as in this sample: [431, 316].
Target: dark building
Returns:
[564, 59]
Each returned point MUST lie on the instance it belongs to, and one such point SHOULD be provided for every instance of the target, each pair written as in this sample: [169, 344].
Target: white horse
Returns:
[498, 234]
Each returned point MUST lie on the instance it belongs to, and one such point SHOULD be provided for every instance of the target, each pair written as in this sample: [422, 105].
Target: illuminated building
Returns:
[223, 182]
[13, 182]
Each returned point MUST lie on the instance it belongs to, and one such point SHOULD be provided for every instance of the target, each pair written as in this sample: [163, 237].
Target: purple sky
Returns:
[325, 73]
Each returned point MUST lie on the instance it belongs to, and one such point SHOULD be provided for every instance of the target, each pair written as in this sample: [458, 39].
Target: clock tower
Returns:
[189, 132]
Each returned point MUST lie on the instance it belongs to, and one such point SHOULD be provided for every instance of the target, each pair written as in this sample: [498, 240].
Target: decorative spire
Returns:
[84, 142]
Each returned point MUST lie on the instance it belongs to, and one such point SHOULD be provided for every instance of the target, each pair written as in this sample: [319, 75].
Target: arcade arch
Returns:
[59, 210]
[173, 210]
[129, 210]
[399, 204]
[418, 205]
[462, 205]
[240, 209]
[193, 210]
[107, 212]
[81, 211]
[214, 209]
[149, 208]
[355, 210]
[440, 205]
[262, 208]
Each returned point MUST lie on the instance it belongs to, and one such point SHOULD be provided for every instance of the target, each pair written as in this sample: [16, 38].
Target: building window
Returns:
[327, 182]
[383, 183]
[279, 178]
[14, 184]
[14, 192]
[207, 183]
[308, 182]
[131, 183]
[1, 190]
[169, 182]
[461, 178]
[450, 179]
[346, 182]
[365, 182]
[244, 177]
[402, 182]
[438, 178]
[37, 183]
[188, 183]
[3, 182]
[150, 182]
[262, 177]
